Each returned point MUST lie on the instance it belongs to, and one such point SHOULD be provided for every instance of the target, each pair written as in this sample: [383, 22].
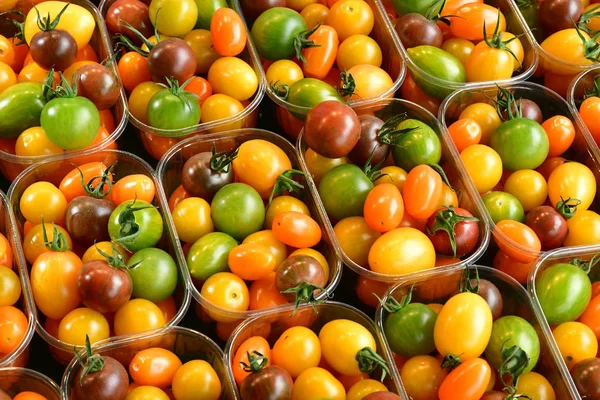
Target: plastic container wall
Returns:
[185, 343]
[157, 141]
[126, 164]
[271, 325]
[583, 149]
[516, 301]
[440, 88]
[392, 63]
[16, 380]
[169, 175]
[467, 197]
[554, 257]
[577, 90]
[20, 355]
[12, 165]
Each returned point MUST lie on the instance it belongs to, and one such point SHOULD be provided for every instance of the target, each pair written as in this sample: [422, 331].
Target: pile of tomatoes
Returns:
[336, 359]
[571, 305]
[248, 241]
[156, 373]
[470, 346]
[54, 94]
[516, 154]
[381, 185]
[96, 268]
[182, 62]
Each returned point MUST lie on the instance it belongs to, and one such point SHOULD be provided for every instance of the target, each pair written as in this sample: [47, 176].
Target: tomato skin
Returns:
[384, 208]
[297, 350]
[463, 327]
[524, 236]
[410, 331]
[43, 201]
[508, 331]
[467, 382]
[576, 342]
[487, 63]
[250, 345]
[340, 341]
[584, 229]
[319, 60]
[227, 32]
[470, 19]
[13, 327]
[317, 383]
[196, 378]
[154, 366]
[296, 229]
[572, 180]
[274, 31]
[585, 375]
[132, 187]
[422, 192]
[343, 190]
[351, 17]
[417, 250]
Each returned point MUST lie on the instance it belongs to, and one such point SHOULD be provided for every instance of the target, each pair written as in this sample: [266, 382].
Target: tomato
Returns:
[316, 383]
[358, 50]
[576, 342]
[6, 253]
[384, 208]
[138, 315]
[529, 187]
[343, 190]
[365, 387]
[34, 142]
[521, 143]
[470, 19]
[591, 316]
[516, 232]
[139, 99]
[453, 231]
[468, 381]
[564, 291]
[436, 62]
[274, 33]
[371, 81]
[251, 261]
[140, 216]
[71, 186]
[10, 286]
[400, 325]
[351, 17]
[572, 180]
[177, 17]
[7, 52]
[154, 366]
[233, 77]
[488, 63]
[173, 108]
[319, 60]
[33, 244]
[237, 210]
[81, 323]
[201, 43]
[196, 378]
[282, 204]
[422, 376]
[133, 70]
[132, 187]
[7, 76]
[561, 133]
[567, 46]
[154, 274]
[484, 166]
[416, 249]
[584, 228]
[412, 92]
[146, 393]
[13, 327]
[192, 220]
[463, 327]
[209, 254]
[226, 291]
[314, 14]
[296, 229]
[220, 106]
[486, 116]
[509, 331]
[589, 111]
[535, 386]
[585, 376]
[422, 192]
[318, 165]
[284, 72]
[465, 132]
[228, 32]
[250, 345]
[43, 201]
[356, 238]
[177, 197]
[297, 350]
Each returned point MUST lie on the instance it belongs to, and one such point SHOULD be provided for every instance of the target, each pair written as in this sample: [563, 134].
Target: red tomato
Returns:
[320, 60]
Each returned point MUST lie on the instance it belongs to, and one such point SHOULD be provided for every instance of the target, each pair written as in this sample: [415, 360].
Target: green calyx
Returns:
[302, 41]
[514, 363]
[450, 362]
[347, 85]
[285, 182]
[465, 285]
[130, 229]
[392, 305]
[221, 162]
[305, 293]
[567, 207]
[586, 266]
[446, 220]
[122, 40]
[281, 90]
[368, 361]
[64, 90]
[591, 49]
[115, 260]
[256, 362]
[100, 189]
[388, 134]
[93, 362]
[586, 18]
[58, 242]
[496, 42]
[595, 91]
[505, 101]
[46, 24]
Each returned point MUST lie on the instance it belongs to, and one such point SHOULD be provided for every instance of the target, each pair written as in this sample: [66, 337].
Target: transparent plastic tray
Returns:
[17, 380]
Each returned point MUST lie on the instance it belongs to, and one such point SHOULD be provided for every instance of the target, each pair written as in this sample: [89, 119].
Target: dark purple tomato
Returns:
[494, 395]
[296, 271]
[382, 396]
[529, 110]
[416, 30]
[86, 219]
[453, 231]
[200, 179]
[110, 383]
[53, 49]
[102, 287]
[98, 84]
[270, 383]
[135, 13]
[491, 294]
[253, 8]
[586, 375]
[172, 58]
[369, 143]
[332, 129]
[548, 225]
[556, 15]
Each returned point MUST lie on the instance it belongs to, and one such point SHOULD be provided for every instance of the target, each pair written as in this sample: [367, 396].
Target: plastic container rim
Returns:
[469, 191]
[59, 344]
[33, 374]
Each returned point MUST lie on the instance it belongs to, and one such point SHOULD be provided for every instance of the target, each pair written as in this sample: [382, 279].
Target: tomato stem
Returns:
[465, 284]
[567, 208]
[446, 220]
[256, 362]
[58, 243]
[130, 229]
[587, 17]
[127, 43]
[368, 360]
[389, 132]
[586, 266]
[440, 171]
[64, 90]
[93, 363]
[281, 90]
[48, 91]
[302, 41]
[221, 162]
[505, 101]
[392, 305]
[305, 292]
[45, 24]
[514, 363]
[373, 172]
[496, 40]
[595, 92]
[97, 191]
[116, 260]
[450, 362]
[284, 182]
[347, 85]
[591, 49]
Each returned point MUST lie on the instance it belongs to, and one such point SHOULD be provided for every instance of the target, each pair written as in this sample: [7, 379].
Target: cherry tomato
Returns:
[484, 166]
[561, 133]
[200, 87]
[138, 315]
[576, 342]
[572, 180]
[535, 386]
[227, 291]
[13, 326]
[356, 238]
[350, 17]
[133, 187]
[267, 239]
[469, 21]
[71, 186]
[467, 382]
[155, 367]
[251, 261]
[486, 116]
[296, 229]
[34, 243]
[357, 50]
[228, 32]
[591, 316]
[515, 232]
[139, 99]
[196, 378]
[465, 132]
[297, 350]
[384, 208]
[422, 192]
[81, 323]
[315, 383]
[250, 345]
[401, 251]
[529, 187]
[314, 14]
[42, 201]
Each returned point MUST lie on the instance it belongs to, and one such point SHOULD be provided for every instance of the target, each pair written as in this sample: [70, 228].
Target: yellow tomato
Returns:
[584, 229]
[486, 116]
[371, 82]
[284, 72]
[572, 180]
[192, 219]
[92, 252]
[402, 251]
[529, 187]
[34, 142]
[341, 341]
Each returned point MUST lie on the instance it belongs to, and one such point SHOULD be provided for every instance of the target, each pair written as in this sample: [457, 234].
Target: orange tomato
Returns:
[465, 132]
[154, 367]
[561, 134]
[133, 69]
[133, 187]
[384, 208]
[296, 229]
[251, 261]
[264, 294]
[13, 326]
[514, 232]
[250, 345]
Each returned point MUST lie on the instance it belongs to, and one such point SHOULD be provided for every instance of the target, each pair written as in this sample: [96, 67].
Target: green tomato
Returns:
[135, 225]
[154, 274]
[521, 143]
[509, 331]
[71, 123]
[275, 31]
[419, 146]
[564, 291]
[169, 110]
[309, 92]
[502, 205]
[435, 62]
[237, 210]
[21, 106]
[206, 9]
[344, 190]
[410, 331]
[423, 7]
[209, 255]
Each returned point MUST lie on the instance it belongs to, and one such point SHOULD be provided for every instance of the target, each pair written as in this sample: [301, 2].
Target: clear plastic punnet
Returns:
[16, 380]
[125, 164]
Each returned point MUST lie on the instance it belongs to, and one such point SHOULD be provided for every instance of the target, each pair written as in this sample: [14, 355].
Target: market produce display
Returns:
[328, 352]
